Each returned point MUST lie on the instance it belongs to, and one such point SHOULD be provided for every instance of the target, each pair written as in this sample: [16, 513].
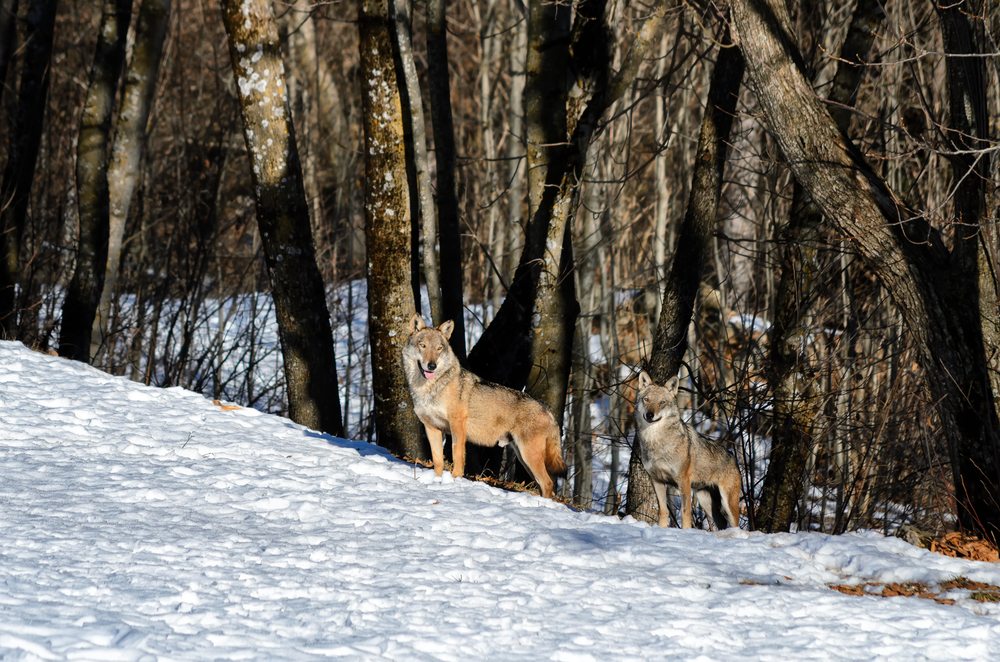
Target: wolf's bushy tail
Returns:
[554, 462]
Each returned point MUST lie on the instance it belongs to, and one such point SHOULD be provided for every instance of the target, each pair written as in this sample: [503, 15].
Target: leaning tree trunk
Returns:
[128, 151]
[388, 232]
[503, 353]
[25, 139]
[84, 291]
[939, 306]
[450, 256]
[283, 216]
[797, 404]
[694, 243]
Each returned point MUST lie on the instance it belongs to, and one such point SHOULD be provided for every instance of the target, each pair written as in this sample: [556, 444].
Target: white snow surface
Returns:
[143, 524]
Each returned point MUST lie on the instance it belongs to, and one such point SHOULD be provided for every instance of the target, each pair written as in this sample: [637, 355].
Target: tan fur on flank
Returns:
[673, 454]
[447, 398]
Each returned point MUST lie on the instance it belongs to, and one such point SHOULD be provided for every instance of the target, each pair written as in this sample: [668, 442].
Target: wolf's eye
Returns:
[422, 345]
[440, 348]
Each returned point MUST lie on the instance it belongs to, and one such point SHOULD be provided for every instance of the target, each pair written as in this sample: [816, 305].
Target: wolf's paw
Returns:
[446, 479]
[428, 478]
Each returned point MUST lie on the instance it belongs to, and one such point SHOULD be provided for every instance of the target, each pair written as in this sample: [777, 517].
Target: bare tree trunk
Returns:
[969, 135]
[388, 232]
[529, 340]
[796, 398]
[283, 216]
[516, 165]
[25, 139]
[694, 243]
[449, 234]
[503, 353]
[84, 292]
[8, 37]
[128, 150]
[418, 170]
[908, 255]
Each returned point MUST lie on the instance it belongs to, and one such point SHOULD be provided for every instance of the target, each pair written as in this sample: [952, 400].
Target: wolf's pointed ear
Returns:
[644, 379]
[416, 323]
[671, 384]
[447, 328]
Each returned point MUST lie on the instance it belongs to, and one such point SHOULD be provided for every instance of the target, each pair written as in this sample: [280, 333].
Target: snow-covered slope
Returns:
[140, 523]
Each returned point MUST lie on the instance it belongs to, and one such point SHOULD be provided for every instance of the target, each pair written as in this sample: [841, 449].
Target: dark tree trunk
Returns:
[796, 400]
[388, 233]
[25, 139]
[694, 243]
[503, 353]
[939, 306]
[968, 134]
[84, 292]
[8, 36]
[450, 257]
[283, 216]
[559, 134]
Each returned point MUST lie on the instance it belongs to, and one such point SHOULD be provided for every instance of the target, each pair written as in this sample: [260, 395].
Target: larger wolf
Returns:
[673, 454]
[447, 398]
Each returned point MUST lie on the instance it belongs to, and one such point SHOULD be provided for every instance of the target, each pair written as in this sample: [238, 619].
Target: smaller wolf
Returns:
[449, 398]
[673, 454]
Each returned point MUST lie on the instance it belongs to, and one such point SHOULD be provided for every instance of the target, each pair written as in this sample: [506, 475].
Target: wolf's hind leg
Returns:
[713, 502]
[532, 456]
[731, 499]
[458, 439]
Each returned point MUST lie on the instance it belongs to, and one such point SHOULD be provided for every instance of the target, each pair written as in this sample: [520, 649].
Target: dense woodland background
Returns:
[813, 186]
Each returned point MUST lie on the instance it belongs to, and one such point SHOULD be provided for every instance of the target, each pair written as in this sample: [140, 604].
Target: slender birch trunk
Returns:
[84, 291]
[129, 148]
[418, 170]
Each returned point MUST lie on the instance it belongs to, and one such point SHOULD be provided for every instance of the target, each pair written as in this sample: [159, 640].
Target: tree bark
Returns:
[84, 291]
[8, 36]
[283, 216]
[968, 135]
[388, 232]
[448, 231]
[129, 148]
[530, 339]
[796, 400]
[907, 254]
[25, 140]
[503, 353]
[694, 243]
[418, 170]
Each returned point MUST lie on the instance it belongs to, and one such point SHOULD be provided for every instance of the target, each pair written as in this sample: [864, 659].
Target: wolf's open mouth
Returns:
[428, 374]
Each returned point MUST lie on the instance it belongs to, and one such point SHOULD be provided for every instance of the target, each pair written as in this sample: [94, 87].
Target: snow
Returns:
[141, 524]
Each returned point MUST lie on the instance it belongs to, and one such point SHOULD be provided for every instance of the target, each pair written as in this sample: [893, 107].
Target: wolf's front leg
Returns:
[660, 489]
[436, 439]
